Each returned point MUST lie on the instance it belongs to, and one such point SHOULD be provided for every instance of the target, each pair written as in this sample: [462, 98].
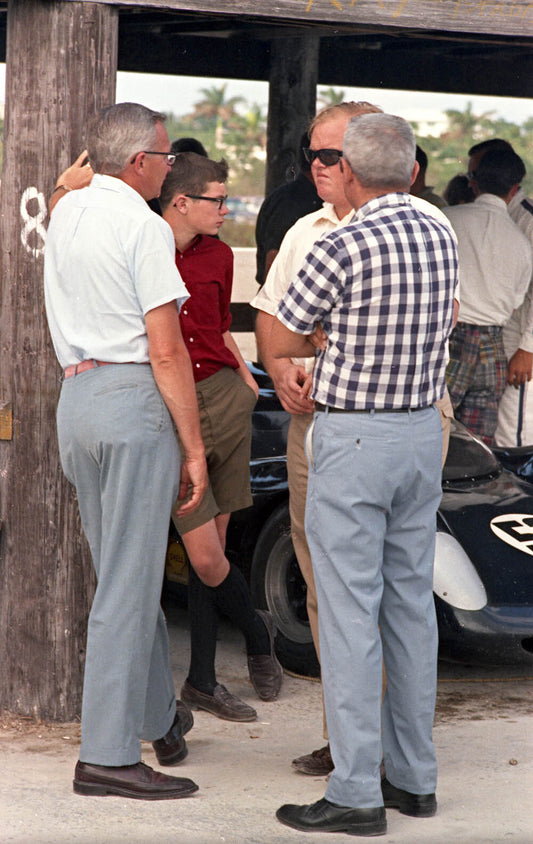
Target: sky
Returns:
[179, 93]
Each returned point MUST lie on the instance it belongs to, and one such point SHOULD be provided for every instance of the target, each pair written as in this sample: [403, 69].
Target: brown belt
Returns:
[77, 368]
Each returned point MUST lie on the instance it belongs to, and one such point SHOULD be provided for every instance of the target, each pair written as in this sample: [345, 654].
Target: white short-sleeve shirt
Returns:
[108, 261]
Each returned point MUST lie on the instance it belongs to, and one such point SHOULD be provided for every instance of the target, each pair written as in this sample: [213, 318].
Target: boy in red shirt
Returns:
[193, 203]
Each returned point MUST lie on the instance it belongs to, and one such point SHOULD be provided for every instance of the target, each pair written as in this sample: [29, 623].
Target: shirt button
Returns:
[184, 311]
[197, 366]
[191, 340]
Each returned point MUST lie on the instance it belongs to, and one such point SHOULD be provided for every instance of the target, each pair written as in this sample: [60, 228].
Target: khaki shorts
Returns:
[225, 403]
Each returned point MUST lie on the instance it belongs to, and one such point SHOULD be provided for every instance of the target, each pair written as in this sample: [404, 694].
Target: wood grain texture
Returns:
[496, 17]
[46, 578]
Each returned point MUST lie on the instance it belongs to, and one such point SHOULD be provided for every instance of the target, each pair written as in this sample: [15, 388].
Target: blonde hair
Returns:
[347, 109]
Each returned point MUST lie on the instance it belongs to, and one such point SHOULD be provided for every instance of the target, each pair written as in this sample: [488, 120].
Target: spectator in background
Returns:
[515, 411]
[188, 145]
[281, 209]
[458, 191]
[496, 265]
[419, 187]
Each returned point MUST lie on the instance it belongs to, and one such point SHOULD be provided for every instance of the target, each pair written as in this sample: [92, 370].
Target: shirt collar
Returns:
[112, 183]
[492, 200]
[328, 213]
[387, 200]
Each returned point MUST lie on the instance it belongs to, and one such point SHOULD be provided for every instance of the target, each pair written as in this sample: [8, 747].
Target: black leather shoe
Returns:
[171, 749]
[316, 764]
[324, 816]
[221, 703]
[265, 671]
[416, 805]
[137, 781]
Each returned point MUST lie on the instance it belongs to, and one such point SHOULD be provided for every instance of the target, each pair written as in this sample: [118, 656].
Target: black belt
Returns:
[322, 408]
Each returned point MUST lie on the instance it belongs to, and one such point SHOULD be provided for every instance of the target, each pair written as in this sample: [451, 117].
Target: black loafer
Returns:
[324, 816]
[415, 805]
[265, 671]
[137, 781]
[171, 749]
[221, 703]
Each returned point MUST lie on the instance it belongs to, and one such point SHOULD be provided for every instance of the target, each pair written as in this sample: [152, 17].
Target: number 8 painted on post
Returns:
[33, 222]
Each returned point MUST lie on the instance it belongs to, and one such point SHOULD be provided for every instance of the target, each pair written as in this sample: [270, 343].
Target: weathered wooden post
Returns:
[61, 66]
[291, 102]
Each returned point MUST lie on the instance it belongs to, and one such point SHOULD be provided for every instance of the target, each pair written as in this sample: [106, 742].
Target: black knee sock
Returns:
[233, 599]
[203, 622]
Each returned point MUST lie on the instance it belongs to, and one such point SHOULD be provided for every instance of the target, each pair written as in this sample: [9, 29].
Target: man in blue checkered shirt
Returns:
[377, 297]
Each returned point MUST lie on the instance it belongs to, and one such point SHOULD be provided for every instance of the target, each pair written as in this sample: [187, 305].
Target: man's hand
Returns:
[77, 176]
[193, 482]
[520, 367]
[319, 338]
[292, 385]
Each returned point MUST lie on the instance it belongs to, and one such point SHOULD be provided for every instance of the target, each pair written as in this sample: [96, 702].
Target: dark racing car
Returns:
[483, 582]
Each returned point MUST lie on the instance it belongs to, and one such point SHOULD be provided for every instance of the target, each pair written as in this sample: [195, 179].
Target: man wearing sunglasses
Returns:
[292, 376]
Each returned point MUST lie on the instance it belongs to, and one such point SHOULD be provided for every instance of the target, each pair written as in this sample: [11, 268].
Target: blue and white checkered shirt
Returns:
[383, 289]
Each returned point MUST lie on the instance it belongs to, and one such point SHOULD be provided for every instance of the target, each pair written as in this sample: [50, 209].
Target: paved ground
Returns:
[483, 736]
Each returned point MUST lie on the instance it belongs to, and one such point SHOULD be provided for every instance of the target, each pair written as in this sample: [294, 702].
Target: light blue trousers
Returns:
[118, 447]
[374, 488]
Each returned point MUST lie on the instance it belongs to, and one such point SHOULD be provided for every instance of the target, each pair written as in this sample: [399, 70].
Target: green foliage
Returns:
[448, 153]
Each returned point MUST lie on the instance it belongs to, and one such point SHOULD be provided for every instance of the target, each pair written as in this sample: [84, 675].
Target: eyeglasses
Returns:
[327, 157]
[170, 157]
[220, 200]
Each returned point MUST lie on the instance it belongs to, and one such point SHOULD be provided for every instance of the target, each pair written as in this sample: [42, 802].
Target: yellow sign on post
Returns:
[6, 421]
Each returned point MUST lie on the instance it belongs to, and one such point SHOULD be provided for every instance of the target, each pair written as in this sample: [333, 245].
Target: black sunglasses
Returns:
[327, 157]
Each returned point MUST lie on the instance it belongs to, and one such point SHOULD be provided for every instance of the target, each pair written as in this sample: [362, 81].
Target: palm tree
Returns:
[216, 109]
[330, 97]
[467, 126]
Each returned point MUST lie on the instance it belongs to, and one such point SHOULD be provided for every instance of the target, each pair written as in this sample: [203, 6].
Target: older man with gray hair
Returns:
[113, 295]
[383, 290]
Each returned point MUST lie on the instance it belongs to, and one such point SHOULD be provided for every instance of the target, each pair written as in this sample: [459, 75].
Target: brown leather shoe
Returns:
[171, 749]
[317, 764]
[137, 781]
[221, 703]
[265, 671]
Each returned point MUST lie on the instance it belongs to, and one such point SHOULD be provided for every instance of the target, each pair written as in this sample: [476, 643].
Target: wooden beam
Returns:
[291, 102]
[497, 17]
[46, 578]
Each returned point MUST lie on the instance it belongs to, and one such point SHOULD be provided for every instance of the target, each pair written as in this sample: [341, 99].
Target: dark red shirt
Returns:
[206, 267]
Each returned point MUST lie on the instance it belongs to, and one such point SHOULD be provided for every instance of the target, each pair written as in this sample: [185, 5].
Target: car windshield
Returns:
[468, 457]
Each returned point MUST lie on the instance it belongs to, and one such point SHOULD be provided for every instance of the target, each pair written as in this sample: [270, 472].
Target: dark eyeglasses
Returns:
[327, 157]
[220, 200]
[168, 155]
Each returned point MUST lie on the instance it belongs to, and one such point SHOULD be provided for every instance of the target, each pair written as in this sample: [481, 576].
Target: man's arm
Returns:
[519, 369]
[172, 370]
[290, 380]
[243, 371]
[285, 342]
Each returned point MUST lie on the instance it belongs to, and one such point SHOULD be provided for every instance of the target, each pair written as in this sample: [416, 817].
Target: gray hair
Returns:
[380, 150]
[116, 133]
